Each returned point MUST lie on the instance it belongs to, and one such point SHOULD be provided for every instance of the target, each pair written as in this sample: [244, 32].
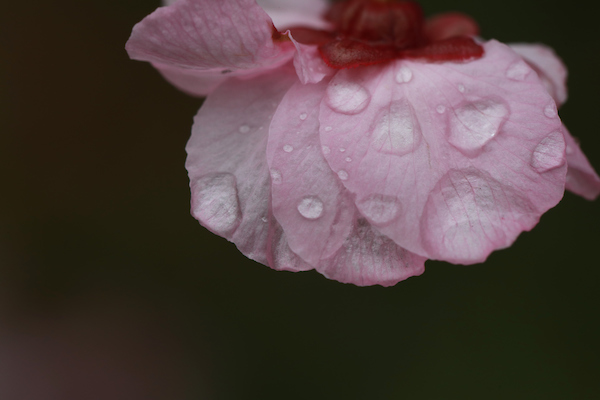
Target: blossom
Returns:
[330, 143]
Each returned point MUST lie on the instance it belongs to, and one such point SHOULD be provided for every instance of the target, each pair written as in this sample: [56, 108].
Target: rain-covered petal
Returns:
[450, 160]
[549, 67]
[227, 165]
[581, 177]
[213, 36]
[317, 214]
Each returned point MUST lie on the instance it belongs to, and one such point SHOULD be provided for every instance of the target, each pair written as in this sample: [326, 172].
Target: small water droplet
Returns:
[461, 88]
[303, 116]
[276, 177]
[518, 71]
[348, 159]
[476, 123]
[328, 129]
[404, 74]
[549, 153]
[287, 148]
[215, 202]
[342, 149]
[397, 130]
[310, 207]
[379, 209]
[550, 110]
[326, 150]
[264, 219]
[440, 109]
[244, 129]
[347, 97]
[343, 175]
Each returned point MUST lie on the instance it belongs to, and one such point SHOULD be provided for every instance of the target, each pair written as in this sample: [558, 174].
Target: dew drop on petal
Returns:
[476, 123]
[550, 111]
[397, 130]
[379, 209]
[310, 207]
[264, 219]
[244, 129]
[440, 109]
[328, 129]
[326, 150]
[303, 116]
[343, 175]
[518, 71]
[347, 97]
[276, 177]
[461, 88]
[342, 149]
[549, 153]
[404, 74]
[288, 149]
[215, 202]
[348, 159]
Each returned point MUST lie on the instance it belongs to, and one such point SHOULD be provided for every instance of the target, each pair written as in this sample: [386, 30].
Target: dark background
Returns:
[109, 289]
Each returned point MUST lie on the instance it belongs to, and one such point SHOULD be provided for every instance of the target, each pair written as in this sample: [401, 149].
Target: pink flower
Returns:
[433, 145]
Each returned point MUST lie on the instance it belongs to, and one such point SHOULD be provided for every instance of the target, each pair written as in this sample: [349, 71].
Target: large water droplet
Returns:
[550, 110]
[347, 97]
[549, 153]
[215, 202]
[276, 177]
[518, 71]
[310, 207]
[379, 209]
[397, 130]
[476, 123]
[343, 175]
[404, 74]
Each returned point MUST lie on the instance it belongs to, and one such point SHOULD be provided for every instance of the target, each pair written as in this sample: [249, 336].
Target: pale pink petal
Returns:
[227, 166]
[307, 198]
[289, 13]
[309, 65]
[548, 65]
[314, 209]
[193, 81]
[581, 177]
[209, 35]
[450, 160]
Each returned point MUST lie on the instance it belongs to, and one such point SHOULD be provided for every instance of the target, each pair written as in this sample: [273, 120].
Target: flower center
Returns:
[367, 32]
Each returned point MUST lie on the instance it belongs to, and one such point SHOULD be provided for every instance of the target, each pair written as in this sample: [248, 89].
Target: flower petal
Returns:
[208, 35]
[288, 13]
[451, 160]
[227, 164]
[316, 212]
[308, 63]
[548, 65]
[581, 177]
[307, 198]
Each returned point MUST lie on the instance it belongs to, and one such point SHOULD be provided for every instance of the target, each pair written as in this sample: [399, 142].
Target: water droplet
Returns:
[310, 207]
[549, 153]
[397, 130]
[288, 149]
[347, 97]
[348, 159]
[328, 129]
[342, 149]
[475, 124]
[303, 116]
[276, 177]
[343, 175]
[379, 209]
[550, 110]
[440, 109]
[215, 202]
[264, 219]
[326, 150]
[244, 129]
[518, 71]
[461, 88]
[404, 74]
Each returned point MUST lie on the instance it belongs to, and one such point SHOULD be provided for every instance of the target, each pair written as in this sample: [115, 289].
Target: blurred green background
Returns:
[109, 289]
